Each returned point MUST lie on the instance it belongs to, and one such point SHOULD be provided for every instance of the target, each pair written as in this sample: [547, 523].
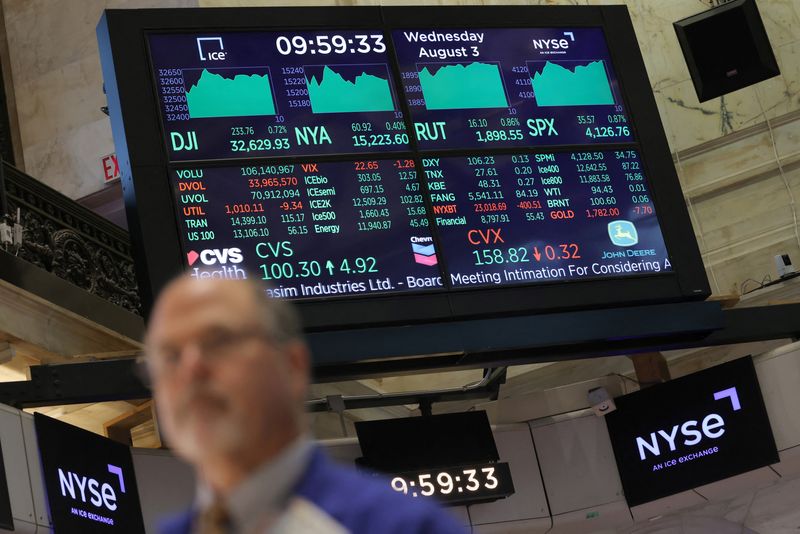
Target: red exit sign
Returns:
[110, 168]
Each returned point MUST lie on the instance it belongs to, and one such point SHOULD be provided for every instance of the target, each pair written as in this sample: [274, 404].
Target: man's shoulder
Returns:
[365, 503]
[180, 523]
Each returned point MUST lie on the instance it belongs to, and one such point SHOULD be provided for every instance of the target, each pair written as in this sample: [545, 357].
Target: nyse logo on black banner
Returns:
[691, 431]
[88, 490]
[90, 482]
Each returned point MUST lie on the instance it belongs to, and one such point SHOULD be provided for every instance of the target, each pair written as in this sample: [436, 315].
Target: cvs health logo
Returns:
[215, 256]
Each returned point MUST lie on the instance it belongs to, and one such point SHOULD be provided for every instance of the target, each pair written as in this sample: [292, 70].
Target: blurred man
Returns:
[230, 374]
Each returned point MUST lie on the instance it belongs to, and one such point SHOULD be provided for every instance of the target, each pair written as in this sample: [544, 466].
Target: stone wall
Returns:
[55, 68]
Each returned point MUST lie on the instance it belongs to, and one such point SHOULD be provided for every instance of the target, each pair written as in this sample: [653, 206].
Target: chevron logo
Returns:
[424, 254]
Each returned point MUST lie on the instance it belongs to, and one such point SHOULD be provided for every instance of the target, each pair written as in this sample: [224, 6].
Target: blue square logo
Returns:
[623, 233]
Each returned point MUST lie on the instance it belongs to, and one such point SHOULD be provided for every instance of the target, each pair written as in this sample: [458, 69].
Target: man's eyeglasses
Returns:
[216, 345]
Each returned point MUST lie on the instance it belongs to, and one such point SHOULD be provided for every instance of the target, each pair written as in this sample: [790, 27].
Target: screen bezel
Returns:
[149, 204]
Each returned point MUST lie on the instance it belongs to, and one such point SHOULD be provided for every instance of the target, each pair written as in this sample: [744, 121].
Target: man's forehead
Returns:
[218, 302]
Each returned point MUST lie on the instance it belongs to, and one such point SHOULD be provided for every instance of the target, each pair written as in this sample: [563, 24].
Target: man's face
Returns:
[222, 387]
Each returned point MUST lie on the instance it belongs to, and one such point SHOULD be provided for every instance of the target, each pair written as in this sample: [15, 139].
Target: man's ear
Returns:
[299, 361]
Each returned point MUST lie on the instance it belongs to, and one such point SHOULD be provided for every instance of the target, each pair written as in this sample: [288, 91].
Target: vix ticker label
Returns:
[691, 431]
[90, 482]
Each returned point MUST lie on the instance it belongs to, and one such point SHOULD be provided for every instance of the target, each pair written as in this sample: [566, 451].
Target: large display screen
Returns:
[319, 229]
[322, 229]
[399, 165]
[479, 87]
[261, 94]
[311, 229]
[691, 431]
[523, 218]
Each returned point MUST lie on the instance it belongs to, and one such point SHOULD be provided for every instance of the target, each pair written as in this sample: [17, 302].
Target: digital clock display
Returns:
[457, 485]
[263, 94]
[488, 88]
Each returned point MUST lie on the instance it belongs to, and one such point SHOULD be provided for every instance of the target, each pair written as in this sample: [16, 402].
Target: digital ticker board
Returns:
[260, 94]
[523, 218]
[321, 229]
[471, 87]
[311, 229]
[455, 161]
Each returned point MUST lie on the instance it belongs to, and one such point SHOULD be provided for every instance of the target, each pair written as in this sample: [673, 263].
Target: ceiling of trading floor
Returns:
[37, 332]
[34, 331]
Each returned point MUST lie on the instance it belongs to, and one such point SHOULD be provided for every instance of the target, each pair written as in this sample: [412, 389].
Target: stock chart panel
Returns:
[360, 223]
[311, 229]
[487, 88]
[262, 94]
[538, 217]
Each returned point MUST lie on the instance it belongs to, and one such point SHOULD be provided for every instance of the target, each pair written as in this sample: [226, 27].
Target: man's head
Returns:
[229, 370]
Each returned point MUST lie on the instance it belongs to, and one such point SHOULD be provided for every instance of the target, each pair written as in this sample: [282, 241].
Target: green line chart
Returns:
[570, 83]
[229, 93]
[459, 86]
[349, 88]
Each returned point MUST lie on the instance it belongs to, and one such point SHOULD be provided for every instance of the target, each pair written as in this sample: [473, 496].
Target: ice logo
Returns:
[623, 233]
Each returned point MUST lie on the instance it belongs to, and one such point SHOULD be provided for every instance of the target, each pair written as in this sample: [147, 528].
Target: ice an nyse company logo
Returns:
[214, 257]
[693, 431]
[554, 44]
[211, 49]
[88, 490]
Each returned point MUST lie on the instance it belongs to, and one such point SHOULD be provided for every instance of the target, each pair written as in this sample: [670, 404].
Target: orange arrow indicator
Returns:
[537, 254]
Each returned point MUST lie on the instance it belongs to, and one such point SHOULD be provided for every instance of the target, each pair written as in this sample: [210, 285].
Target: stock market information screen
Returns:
[311, 229]
[261, 94]
[533, 217]
[488, 88]
[375, 216]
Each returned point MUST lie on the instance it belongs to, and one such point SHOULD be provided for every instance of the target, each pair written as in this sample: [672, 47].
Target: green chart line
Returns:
[334, 94]
[477, 85]
[587, 85]
[241, 96]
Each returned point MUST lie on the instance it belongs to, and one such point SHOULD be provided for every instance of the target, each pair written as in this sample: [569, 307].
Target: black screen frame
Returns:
[149, 205]
[676, 401]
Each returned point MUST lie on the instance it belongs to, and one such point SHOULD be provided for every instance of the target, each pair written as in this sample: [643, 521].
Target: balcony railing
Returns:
[70, 241]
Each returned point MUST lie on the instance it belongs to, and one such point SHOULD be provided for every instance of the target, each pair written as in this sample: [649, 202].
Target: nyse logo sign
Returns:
[554, 44]
[691, 431]
[88, 490]
[90, 480]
